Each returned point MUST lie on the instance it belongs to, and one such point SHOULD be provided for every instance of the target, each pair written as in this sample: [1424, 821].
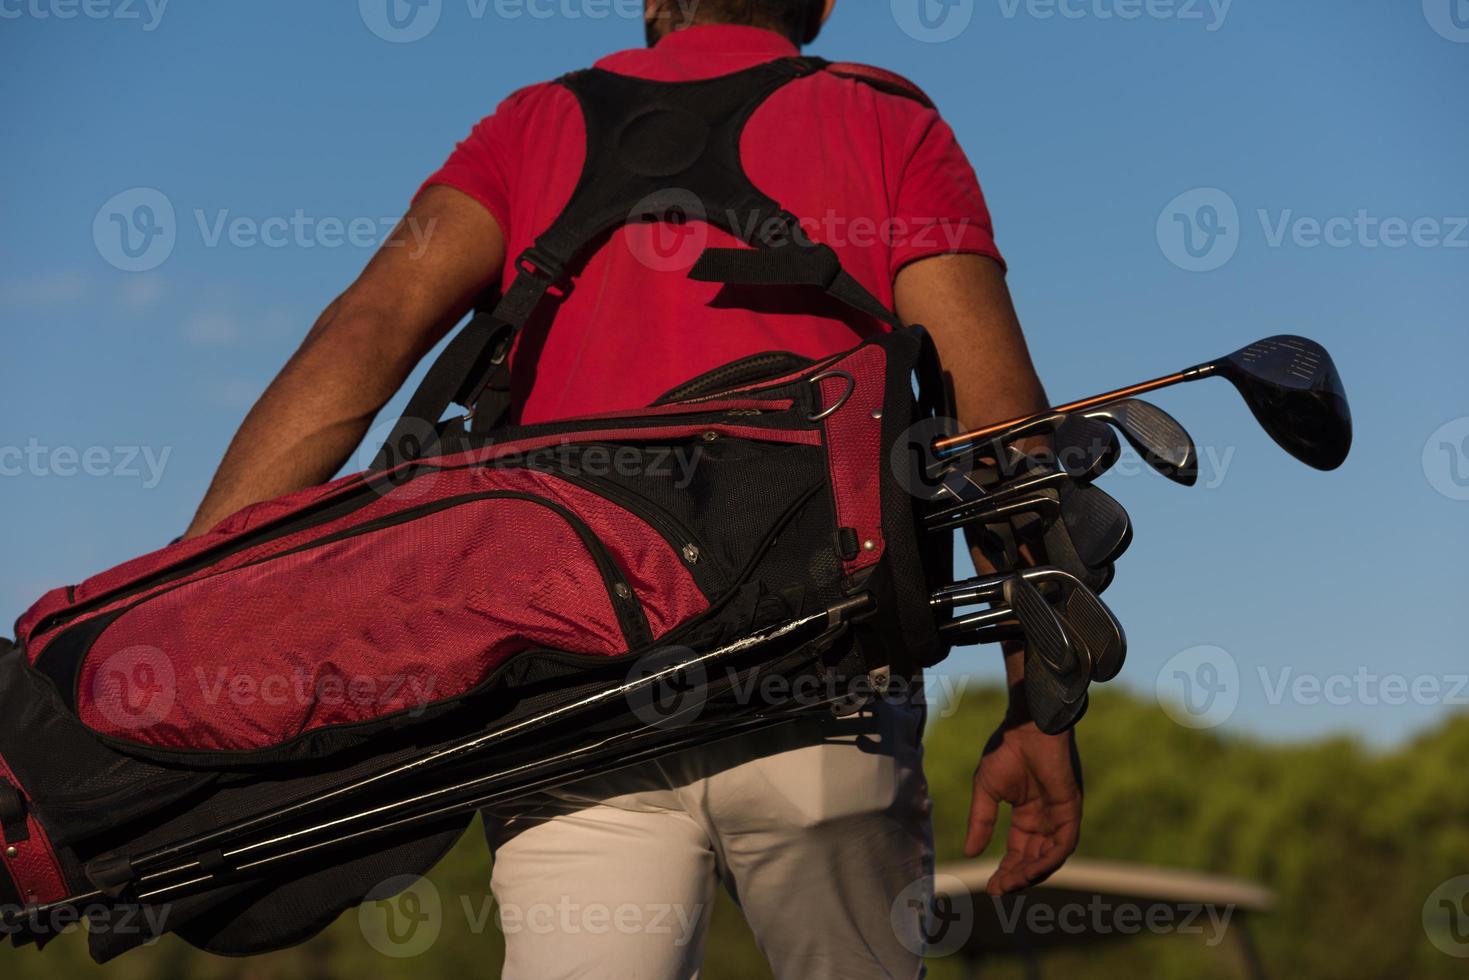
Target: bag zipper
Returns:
[680, 538]
[322, 512]
[631, 617]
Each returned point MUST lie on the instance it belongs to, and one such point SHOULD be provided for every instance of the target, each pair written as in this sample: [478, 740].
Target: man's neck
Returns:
[657, 29]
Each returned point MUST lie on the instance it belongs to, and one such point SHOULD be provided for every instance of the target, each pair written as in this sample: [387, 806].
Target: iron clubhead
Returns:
[1099, 632]
[1100, 528]
[1085, 448]
[1057, 673]
[1158, 438]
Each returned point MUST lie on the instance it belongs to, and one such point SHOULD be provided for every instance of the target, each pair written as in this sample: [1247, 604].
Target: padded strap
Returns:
[644, 138]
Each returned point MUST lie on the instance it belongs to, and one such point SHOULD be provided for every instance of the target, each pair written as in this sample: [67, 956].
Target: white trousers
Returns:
[820, 829]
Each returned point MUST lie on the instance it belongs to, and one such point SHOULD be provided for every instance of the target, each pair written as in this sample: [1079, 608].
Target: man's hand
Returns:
[1039, 775]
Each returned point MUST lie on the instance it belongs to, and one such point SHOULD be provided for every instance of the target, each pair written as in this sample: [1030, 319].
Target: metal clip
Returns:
[833, 409]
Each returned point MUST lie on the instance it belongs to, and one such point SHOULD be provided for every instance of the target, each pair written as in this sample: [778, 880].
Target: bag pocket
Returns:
[374, 623]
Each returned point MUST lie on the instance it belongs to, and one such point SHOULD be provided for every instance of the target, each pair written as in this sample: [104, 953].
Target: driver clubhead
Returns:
[1158, 438]
[1294, 391]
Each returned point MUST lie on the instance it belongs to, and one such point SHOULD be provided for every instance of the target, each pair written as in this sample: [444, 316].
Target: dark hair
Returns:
[799, 20]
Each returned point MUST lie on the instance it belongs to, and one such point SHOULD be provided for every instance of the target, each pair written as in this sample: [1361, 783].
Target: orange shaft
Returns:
[967, 438]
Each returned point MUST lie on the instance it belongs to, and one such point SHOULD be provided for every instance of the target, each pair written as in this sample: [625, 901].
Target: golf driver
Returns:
[1290, 384]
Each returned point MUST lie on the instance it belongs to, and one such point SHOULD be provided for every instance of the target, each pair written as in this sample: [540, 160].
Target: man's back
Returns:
[821, 831]
[877, 176]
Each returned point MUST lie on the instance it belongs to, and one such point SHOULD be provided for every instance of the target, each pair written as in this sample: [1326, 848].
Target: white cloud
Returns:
[140, 293]
[236, 394]
[57, 289]
[212, 330]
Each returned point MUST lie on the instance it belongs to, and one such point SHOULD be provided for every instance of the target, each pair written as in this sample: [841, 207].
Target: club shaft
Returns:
[468, 746]
[793, 631]
[470, 801]
[954, 444]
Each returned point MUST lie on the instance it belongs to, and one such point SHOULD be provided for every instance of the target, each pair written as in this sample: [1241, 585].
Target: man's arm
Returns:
[315, 413]
[964, 303]
[966, 306]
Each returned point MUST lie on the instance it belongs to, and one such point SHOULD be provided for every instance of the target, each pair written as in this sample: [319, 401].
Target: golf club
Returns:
[1097, 628]
[1081, 447]
[1057, 672]
[1082, 441]
[1156, 436]
[1290, 384]
[1039, 479]
[1099, 527]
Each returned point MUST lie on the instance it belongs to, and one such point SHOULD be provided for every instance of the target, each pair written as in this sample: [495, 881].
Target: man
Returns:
[820, 829]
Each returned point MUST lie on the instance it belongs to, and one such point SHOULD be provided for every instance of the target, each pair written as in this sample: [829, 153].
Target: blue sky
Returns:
[1099, 128]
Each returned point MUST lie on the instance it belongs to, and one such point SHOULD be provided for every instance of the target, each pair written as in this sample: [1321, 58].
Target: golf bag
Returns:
[475, 578]
[330, 633]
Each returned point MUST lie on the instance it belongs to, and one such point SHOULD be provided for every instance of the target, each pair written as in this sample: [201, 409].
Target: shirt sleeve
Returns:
[480, 164]
[940, 209]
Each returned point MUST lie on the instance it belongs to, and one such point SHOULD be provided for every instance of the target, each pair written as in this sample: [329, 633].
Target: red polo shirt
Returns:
[878, 177]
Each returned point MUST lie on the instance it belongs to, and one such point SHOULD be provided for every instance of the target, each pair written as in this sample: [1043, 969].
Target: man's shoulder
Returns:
[528, 106]
[889, 82]
[859, 77]
[531, 94]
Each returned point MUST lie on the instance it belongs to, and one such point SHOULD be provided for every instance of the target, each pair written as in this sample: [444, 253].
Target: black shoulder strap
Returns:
[652, 147]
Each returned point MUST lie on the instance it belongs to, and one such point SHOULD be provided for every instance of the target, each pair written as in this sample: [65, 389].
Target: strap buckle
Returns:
[501, 351]
[538, 265]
